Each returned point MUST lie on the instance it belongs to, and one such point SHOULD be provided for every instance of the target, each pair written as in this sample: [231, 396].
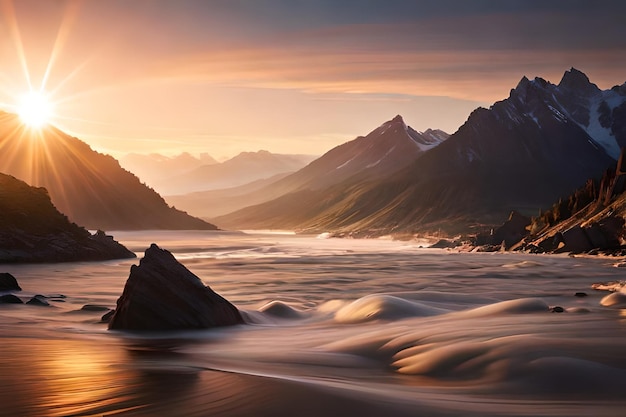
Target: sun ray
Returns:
[69, 16]
[68, 78]
[11, 20]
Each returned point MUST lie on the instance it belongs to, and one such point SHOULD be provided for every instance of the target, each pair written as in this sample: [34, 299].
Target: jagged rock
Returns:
[512, 231]
[8, 282]
[10, 299]
[161, 294]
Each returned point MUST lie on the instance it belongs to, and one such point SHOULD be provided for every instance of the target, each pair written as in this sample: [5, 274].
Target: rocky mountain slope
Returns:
[33, 230]
[386, 150]
[522, 153]
[90, 188]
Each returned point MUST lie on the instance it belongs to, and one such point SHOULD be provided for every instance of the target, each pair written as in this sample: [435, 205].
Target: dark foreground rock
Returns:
[10, 299]
[8, 282]
[161, 294]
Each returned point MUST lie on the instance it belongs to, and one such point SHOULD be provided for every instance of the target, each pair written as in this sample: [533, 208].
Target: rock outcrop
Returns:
[161, 294]
[507, 235]
[591, 219]
[8, 282]
[33, 230]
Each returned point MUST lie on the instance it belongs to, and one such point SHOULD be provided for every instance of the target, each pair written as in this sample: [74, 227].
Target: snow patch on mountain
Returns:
[601, 134]
[373, 164]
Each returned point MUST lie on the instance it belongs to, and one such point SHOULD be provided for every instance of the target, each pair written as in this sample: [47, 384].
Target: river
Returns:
[334, 327]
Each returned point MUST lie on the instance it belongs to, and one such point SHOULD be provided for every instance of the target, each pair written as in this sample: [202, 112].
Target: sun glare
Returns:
[34, 110]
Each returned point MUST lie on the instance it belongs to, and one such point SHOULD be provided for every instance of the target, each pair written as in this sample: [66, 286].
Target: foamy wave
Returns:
[383, 307]
[616, 299]
[517, 306]
[281, 310]
[522, 264]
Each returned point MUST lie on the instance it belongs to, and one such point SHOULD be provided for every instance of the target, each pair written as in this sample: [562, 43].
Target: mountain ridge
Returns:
[388, 148]
[241, 169]
[89, 187]
[520, 154]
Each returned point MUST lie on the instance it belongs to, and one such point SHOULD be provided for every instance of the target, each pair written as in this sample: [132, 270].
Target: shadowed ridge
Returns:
[33, 230]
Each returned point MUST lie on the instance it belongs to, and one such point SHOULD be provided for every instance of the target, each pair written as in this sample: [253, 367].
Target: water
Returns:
[336, 327]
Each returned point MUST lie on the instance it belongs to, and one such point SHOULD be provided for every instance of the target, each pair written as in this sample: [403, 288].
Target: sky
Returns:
[289, 76]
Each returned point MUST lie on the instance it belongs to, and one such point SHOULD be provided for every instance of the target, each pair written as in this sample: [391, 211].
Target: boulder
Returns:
[10, 299]
[8, 282]
[576, 241]
[161, 294]
[512, 231]
[38, 300]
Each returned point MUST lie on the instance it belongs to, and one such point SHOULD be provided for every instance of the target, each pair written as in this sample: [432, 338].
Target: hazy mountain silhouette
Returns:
[33, 230]
[387, 149]
[155, 167]
[90, 188]
[521, 154]
[241, 169]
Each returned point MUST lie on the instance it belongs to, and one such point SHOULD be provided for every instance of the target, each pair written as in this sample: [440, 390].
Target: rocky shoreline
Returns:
[32, 230]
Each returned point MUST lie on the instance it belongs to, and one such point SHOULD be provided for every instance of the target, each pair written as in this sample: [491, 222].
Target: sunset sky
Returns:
[289, 76]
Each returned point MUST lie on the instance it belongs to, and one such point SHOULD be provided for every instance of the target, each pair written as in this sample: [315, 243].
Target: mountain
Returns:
[155, 167]
[33, 230]
[239, 170]
[213, 203]
[387, 149]
[90, 188]
[522, 153]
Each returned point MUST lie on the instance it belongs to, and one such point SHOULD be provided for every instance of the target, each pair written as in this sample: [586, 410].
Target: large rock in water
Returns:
[161, 294]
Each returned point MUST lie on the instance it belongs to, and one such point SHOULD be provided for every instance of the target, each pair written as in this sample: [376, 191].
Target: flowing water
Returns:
[335, 327]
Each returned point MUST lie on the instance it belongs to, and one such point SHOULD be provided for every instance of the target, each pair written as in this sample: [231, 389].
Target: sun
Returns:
[35, 110]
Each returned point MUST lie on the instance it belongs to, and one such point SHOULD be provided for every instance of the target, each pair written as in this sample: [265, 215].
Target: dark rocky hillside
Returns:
[33, 230]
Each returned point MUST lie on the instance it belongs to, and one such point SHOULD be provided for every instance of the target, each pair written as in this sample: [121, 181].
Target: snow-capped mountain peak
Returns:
[574, 100]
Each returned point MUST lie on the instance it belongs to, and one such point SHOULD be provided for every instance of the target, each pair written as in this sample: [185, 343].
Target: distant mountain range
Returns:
[155, 167]
[90, 188]
[522, 153]
[33, 230]
[185, 173]
[384, 151]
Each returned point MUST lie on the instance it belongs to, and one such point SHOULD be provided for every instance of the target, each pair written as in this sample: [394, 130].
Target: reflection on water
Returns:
[335, 327]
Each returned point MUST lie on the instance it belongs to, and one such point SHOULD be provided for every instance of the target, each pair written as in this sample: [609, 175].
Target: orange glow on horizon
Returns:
[202, 78]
